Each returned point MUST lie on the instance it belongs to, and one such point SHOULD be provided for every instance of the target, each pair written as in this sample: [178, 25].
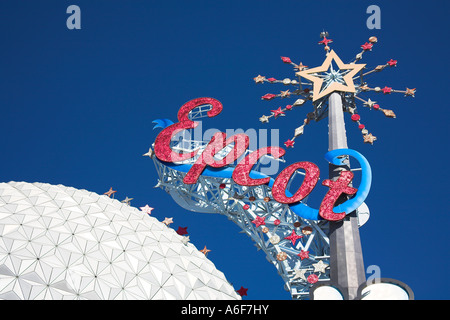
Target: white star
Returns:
[369, 103]
[168, 221]
[299, 273]
[320, 266]
[185, 240]
[264, 119]
[150, 153]
[146, 209]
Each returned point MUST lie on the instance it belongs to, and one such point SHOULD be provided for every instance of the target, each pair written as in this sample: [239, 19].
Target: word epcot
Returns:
[241, 172]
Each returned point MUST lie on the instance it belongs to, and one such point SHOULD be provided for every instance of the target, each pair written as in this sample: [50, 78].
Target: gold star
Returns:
[259, 79]
[364, 87]
[110, 192]
[311, 75]
[300, 67]
[167, 221]
[285, 94]
[127, 200]
[410, 92]
[369, 138]
[264, 119]
[205, 251]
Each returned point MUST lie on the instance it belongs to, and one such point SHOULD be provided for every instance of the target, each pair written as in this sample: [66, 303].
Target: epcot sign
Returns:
[317, 252]
[243, 170]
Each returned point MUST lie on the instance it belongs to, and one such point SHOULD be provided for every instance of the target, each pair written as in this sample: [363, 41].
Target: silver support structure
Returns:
[244, 206]
[346, 259]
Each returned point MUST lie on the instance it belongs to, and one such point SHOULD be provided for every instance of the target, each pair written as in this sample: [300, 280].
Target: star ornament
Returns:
[278, 112]
[167, 221]
[369, 103]
[147, 209]
[150, 153]
[369, 138]
[289, 143]
[110, 192]
[259, 221]
[127, 200]
[325, 41]
[320, 266]
[264, 119]
[259, 79]
[205, 251]
[334, 80]
[410, 92]
[386, 90]
[299, 273]
[182, 231]
[185, 240]
[242, 291]
[303, 255]
[293, 237]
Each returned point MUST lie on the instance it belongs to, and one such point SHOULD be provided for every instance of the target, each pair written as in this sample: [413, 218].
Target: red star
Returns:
[182, 231]
[289, 144]
[325, 41]
[367, 46]
[386, 90]
[268, 96]
[277, 112]
[259, 221]
[303, 255]
[392, 63]
[293, 237]
[242, 291]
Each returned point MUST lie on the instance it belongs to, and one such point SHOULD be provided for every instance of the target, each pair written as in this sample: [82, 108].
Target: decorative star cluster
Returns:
[298, 247]
[182, 231]
[318, 83]
[148, 210]
[127, 200]
[310, 274]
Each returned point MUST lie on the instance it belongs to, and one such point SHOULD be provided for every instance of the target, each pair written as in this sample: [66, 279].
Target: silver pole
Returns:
[346, 259]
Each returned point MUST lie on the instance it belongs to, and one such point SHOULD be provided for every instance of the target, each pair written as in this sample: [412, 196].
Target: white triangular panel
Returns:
[60, 243]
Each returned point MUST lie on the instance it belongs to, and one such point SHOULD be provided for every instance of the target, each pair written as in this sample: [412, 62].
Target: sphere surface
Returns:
[59, 242]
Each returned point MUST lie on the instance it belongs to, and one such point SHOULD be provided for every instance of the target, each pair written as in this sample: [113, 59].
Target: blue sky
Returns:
[77, 108]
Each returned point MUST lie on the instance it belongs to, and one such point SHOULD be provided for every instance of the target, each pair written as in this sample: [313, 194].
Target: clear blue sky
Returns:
[77, 108]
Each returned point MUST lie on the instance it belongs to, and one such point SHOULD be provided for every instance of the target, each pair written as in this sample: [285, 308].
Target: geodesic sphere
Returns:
[59, 242]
